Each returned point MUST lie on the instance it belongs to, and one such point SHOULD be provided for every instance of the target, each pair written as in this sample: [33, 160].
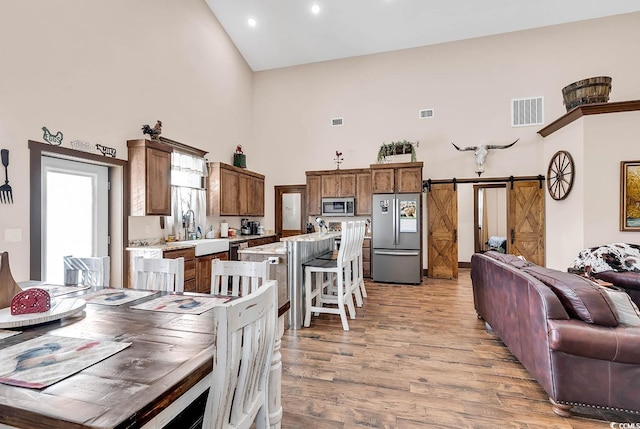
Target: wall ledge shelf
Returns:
[589, 109]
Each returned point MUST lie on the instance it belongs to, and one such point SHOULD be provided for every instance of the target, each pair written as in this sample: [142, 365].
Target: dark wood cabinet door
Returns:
[347, 185]
[244, 194]
[383, 181]
[314, 195]
[203, 271]
[330, 185]
[256, 198]
[149, 177]
[363, 194]
[229, 192]
[409, 179]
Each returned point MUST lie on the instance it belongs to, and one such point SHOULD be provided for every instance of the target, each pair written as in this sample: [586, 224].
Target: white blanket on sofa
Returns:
[610, 257]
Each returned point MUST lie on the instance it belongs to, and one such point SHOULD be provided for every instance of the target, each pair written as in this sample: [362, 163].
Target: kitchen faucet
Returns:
[188, 223]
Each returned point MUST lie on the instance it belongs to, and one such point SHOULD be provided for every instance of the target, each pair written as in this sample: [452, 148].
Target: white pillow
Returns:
[625, 309]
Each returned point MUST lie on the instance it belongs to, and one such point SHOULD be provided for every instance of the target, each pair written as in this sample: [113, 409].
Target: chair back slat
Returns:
[90, 271]
[237, 278]
[158, 274]
[245, 329]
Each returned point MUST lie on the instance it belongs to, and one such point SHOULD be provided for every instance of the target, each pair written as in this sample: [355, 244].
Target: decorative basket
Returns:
[586, 91]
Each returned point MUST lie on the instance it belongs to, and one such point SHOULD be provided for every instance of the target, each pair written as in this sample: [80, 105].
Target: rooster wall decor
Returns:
[154, 132]
[338, 159]
[55, 139]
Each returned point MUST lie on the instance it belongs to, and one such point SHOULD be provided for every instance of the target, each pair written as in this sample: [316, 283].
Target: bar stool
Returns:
[315, 294]
[358, 261]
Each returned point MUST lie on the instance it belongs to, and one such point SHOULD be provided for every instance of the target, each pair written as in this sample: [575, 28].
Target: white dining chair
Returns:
[237, 278]
[319, 293]
[161, 274]
[245, 329]
[90, 271]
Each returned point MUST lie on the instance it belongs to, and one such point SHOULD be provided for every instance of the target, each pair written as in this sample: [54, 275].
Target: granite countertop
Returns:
[271, 248]
[314, 236]
[248, 237]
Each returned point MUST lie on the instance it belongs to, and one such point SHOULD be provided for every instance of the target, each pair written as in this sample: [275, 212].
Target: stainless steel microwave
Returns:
[338, 206]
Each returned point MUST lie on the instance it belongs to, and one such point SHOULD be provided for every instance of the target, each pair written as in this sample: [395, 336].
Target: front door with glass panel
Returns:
[75, 213]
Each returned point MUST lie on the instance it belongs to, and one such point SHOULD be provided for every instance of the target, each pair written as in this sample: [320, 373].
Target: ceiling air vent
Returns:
[527, 111]
[425, 113]
[336, 122]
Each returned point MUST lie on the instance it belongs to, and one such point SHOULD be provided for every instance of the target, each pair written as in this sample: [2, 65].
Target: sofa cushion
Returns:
[513, 260]
[581, 298]
[626, 279]
[626, 310]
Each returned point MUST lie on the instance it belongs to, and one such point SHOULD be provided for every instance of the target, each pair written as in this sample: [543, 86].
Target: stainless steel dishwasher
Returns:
[234, 247]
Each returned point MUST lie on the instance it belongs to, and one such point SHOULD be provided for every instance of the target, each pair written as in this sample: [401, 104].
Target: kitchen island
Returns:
[300, 250]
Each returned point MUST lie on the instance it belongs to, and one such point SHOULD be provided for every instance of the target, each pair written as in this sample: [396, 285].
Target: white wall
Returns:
[590, 215]
[97, 70]
[469, 84]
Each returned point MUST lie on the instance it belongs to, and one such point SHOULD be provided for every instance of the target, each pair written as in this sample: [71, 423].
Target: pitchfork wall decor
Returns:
[6, 194]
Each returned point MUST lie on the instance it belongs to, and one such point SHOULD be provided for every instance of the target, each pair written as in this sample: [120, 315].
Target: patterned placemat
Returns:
[189, 304]
[45, 360]
[116, 296]
[57, 290]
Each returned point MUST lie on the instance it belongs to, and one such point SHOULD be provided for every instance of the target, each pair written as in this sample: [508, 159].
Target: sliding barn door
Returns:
[526, 220]
[442, 242]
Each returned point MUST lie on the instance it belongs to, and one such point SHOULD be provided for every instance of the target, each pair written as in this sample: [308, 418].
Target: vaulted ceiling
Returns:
[288, 32]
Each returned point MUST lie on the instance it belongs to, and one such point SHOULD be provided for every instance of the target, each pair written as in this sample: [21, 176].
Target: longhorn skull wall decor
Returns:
[481, 153]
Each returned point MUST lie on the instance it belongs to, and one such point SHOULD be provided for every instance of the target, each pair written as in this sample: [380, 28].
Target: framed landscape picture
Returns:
[630, 196]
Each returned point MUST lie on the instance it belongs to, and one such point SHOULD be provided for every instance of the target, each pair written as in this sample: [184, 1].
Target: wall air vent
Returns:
[336, 122]
[527, 111]
[425, 113]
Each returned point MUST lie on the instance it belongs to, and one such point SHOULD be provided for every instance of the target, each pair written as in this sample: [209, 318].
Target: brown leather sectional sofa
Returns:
[564, 329]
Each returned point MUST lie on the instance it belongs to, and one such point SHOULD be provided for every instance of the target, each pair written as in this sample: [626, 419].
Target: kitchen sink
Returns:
[206, 246]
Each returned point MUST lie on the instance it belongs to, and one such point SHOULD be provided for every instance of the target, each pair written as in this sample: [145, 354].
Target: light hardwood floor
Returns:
[415, 357]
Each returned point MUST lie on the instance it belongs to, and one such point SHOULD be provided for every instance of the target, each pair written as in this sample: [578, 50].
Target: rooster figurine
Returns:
[154, 132]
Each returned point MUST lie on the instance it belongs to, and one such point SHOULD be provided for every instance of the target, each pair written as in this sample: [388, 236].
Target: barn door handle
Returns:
[455, 235]
[513, 236]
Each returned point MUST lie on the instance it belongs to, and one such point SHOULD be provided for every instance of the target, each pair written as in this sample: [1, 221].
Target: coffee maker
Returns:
[245, 227]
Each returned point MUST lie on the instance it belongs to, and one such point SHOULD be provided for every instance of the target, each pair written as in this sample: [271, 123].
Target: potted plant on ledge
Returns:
[397, 148]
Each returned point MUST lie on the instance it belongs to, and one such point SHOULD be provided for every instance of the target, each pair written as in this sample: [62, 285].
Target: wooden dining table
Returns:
[161, 379]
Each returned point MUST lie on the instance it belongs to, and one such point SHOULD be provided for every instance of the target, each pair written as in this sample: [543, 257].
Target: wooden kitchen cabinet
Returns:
[396, 178]
[256, 197]
[189, 255]
[149, 177]
[233, 191]
[363, 194]
[409, 179]
[314, 195]
[338, 185]
[203, 270]
[366, 258]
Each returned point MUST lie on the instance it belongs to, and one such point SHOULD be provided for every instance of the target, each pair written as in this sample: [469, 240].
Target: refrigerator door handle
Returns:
[396, 253]
[396, 222]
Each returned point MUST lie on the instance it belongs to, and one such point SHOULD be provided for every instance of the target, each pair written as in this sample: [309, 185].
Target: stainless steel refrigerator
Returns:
[396, 229]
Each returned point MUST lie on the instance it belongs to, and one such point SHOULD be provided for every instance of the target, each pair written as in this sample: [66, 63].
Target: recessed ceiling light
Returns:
[251, 22]
[315, 9]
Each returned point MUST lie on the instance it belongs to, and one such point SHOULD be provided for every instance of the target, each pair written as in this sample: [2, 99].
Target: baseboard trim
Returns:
[464, 264]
